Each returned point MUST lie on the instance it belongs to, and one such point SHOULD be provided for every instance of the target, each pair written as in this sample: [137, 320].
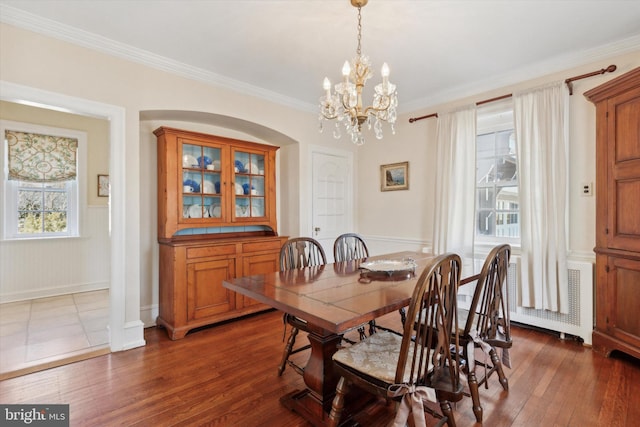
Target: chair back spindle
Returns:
[349, 246]
[301, 252]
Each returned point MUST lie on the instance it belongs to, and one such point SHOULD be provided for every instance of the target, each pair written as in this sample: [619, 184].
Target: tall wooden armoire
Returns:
[617, 293]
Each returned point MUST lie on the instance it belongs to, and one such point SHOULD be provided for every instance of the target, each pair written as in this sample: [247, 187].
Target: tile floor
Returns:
[43, 331]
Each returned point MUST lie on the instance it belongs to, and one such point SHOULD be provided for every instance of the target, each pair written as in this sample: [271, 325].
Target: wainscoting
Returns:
[41, 333]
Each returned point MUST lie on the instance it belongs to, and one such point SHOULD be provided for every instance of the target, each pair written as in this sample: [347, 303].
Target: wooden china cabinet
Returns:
[216, 221]
[617, 248]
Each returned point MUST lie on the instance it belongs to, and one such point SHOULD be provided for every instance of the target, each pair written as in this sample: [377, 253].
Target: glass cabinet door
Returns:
[201, 177]
[249, 184]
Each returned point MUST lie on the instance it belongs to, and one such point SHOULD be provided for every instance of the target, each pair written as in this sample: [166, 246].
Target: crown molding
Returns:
[532, 71]
[50, 28]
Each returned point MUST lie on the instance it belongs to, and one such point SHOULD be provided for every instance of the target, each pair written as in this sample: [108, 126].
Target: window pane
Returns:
[505, 157]
[29, 222]
[509, 225]
[55, 201]
[485, 198]
[55, 222]
[29, 200]
[507, 198]
[485, 223]
[485, 159]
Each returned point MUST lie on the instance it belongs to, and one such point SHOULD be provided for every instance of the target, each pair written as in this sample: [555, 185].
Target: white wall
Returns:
[49, 267]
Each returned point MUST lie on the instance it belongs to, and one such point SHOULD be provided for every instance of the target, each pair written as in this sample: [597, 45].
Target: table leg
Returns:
[314, 403]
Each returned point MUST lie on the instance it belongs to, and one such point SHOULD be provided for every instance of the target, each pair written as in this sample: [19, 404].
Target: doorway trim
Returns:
[119, 333]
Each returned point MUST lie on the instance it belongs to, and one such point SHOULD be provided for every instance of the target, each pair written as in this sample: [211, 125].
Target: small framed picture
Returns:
[103, 186]
[394, 176]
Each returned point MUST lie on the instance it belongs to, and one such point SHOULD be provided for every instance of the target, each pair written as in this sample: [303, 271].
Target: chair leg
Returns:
[287, 350]
[403, 315]
[475, 395]
[372, 327]
[498, 367]
[361, 333]
[337, 405]
[445, 407]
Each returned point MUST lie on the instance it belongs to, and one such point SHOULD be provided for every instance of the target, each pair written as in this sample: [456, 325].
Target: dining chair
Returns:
[351, 246]
[486, 325]
[297, 253]
[347, 247]
[419, 365]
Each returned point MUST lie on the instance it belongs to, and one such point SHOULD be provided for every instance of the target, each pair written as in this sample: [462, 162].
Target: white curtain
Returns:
[541, 127]
[455, 182]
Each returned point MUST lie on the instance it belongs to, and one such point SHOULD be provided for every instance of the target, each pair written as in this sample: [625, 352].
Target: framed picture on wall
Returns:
[394, 176]
[103, 186]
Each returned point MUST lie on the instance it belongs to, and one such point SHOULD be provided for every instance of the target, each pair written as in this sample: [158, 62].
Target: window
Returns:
[42, 171]
[497, 199]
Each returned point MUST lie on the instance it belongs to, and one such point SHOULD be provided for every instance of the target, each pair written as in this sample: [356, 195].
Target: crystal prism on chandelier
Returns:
[345, 103]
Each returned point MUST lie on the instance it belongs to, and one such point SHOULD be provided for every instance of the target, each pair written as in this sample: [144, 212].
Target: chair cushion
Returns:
[376, 356]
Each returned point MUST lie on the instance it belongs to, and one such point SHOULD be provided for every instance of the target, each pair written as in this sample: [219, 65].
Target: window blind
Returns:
[36, 157]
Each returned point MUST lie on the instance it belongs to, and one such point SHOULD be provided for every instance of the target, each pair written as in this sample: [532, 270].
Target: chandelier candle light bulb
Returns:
[345, 105]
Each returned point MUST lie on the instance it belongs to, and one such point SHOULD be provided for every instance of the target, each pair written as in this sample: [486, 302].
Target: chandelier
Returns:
[345, 104]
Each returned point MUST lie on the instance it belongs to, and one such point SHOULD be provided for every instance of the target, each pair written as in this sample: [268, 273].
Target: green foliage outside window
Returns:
[42, 208]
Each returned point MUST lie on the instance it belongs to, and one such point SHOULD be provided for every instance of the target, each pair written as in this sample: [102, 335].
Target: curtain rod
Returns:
[414, 119]
[568, 82]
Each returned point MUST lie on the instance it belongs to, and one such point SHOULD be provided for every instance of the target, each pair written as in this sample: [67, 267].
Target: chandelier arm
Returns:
[385, 107]
[352, 111]
[330, 117]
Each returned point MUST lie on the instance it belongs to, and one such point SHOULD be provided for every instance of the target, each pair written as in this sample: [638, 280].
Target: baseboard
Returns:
[149, 314]
[53, 292]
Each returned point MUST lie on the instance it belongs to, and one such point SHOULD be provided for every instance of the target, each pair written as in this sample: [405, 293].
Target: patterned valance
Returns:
[35, 157]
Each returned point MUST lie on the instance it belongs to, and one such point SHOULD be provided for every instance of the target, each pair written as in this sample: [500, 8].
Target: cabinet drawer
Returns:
[271, 245]
[209, 251]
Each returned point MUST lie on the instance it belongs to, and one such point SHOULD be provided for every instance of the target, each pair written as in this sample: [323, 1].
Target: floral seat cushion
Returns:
[376, 356]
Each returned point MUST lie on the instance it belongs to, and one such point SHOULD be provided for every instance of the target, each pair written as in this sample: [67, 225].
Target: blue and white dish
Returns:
[203, 162]
[195, 186]
[189, 161]
[214, 211]
[209, 187]
[239, 166]
[195, 211]
[246, 189]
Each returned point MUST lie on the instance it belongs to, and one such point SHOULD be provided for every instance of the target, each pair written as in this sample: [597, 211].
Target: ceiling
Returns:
[282, 49]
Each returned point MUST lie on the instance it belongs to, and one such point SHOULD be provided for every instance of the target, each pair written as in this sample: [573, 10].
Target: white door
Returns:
[332, 197]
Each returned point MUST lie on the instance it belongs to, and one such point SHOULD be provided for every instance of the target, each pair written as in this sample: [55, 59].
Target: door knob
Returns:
[317, 230]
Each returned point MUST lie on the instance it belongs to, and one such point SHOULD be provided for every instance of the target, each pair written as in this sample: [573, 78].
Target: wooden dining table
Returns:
[333, 299]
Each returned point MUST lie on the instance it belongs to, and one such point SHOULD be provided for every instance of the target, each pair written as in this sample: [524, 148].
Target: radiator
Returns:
[577, 322]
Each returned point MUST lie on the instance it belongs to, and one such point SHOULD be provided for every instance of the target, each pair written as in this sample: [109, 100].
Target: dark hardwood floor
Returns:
[226, 376]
